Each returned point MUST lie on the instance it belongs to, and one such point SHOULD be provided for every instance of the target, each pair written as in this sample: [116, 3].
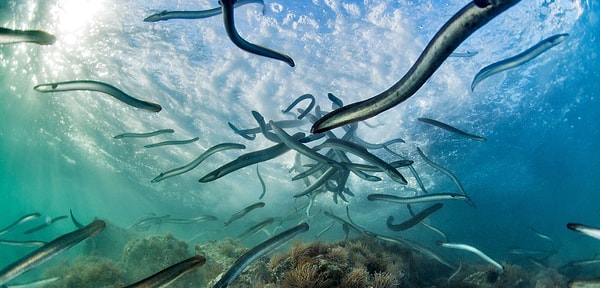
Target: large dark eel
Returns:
[453, 33]
[227, 6]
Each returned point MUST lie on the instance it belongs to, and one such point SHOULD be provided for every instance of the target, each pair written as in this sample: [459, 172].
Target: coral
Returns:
[87, 271]
[146, 256]
[357, 278]
[276, 260]
[220, 255]
[384, 280]
[306, 276]
[304, 251]
[549, 278]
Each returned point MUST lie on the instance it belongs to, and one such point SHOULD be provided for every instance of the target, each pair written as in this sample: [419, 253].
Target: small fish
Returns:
[168, 275]
[227, 9]
[541, 235]
[519, 59]
[262, 183]
[307, 110]
[416, 199]
[144, 135]
[473, 250]
[521, 251]
[174, 142]
[9, 36]
[260, 250]
[144, 224]
[585, 229]
[250, 134]
[244, 211]
[197, 161]
[22, 243]
[358, 230]
[33, 284]
[21, 220]
[48, 222]
[255, 228]
[451, 129]
[48, 251]
[325, 229]
[361, 152]
[414, 245]
[464, 54]
[448, 173]
[466, 21]
[189, 220]
[168, 15]
[429, 226]
[249, 159]
[294, 144]
[318, 183]
[97, 86]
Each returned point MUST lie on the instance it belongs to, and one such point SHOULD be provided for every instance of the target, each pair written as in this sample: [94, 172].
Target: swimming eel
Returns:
[473, 250]
[9, 36]
[470, 18]
[260, 250]
[585, 229]
[416, 219]
[451, 129]
[170, 274]
[21, 220]
[519, 59]
[197, 161]
[174, 142]
[168, 15]
[99, 87]
[244, 211]
[144, 135]
[227, 8]
[48, 251]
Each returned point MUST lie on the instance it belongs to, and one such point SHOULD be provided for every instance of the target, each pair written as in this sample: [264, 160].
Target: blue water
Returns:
[539, 167]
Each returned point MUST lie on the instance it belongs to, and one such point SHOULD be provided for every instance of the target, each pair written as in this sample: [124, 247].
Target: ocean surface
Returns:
[538, 170]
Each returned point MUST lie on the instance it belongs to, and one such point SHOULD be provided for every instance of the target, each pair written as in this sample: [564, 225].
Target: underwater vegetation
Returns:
[359, 262]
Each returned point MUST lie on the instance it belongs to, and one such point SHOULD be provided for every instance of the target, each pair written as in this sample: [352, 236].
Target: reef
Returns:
[139, 258]
[91, 271]
[354, 263]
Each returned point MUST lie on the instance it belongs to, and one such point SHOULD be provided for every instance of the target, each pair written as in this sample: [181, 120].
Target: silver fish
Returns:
[21, 220]
[451, 129]
[91, 85]
[174, 142]
[144, 135]
[473, 250]
[168, 15]
[166, 276]
[519, 59]
[48, 251]
[244, 211]
[197, 161]
[416, 199]
[262, 249]
[585, 229]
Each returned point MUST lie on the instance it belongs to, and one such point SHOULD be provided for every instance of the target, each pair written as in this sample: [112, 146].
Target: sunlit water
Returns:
[539, 167]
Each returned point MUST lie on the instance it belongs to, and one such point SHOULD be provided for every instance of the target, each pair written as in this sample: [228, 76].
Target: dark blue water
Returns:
[538, 168]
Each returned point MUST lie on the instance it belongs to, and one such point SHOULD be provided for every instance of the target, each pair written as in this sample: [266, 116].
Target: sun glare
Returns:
[75, 16]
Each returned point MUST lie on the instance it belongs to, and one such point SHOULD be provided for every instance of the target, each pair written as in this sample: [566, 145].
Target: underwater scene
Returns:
[321, 143]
